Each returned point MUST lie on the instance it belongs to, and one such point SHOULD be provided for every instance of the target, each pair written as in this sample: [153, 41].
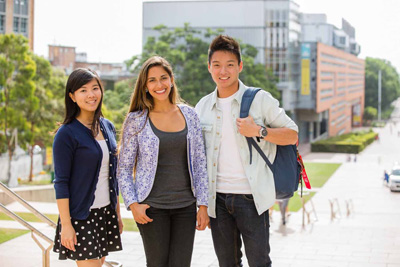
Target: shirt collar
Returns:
[238, 97]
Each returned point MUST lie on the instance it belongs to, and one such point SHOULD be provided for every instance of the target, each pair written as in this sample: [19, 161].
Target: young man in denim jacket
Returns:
[240, 193]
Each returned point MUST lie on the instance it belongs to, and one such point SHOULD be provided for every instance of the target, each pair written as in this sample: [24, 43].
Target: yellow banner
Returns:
[305, 76]
[49, 155]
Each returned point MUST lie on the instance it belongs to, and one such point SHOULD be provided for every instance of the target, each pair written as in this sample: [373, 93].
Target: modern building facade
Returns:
[17, 16]
[331, 96]
[321, 80]
[272, 26]
[331, 99]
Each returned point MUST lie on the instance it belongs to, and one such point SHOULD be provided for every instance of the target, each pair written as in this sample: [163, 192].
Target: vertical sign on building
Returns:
[305, 69]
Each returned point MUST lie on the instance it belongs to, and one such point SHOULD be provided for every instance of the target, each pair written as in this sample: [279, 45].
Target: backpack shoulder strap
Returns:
[247, 99]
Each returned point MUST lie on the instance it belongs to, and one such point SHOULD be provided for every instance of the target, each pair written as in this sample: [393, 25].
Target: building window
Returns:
[21, 7]
[2, 23]
[24, 25]
[16, 24]
[2, 6]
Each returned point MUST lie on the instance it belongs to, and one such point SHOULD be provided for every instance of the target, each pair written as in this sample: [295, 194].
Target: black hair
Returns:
[224, 43]
[76, 80]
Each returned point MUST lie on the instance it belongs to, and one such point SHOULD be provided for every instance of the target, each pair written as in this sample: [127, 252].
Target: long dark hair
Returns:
[76, 80]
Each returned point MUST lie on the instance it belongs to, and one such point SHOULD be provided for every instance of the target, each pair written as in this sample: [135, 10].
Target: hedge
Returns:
[352, 143]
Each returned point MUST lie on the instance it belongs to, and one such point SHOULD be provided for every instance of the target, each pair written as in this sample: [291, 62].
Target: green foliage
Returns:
[17, 70]
[47, 107]
[390, 83]
[116, 102]
[370, 113]
[31, 95]
[187, 52]
[346, 143]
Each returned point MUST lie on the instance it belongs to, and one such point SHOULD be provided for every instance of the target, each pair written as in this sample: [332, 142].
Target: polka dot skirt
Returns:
[96, 236]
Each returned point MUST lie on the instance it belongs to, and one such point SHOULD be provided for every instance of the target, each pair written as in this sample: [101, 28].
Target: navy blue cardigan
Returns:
[77, 161]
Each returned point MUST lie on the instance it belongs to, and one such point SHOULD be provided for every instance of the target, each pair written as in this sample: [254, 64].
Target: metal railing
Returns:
[45, 251]
[42, 217]
[37, 213]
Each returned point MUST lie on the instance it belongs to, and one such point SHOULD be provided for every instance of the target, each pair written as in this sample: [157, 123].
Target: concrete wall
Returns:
[19, 167]
[39, 193]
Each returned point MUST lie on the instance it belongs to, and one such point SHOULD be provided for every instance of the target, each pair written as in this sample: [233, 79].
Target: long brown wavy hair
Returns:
[142, 100]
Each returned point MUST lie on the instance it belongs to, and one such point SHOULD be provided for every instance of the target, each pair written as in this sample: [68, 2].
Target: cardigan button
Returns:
[110, 165]
[110, 177]
[106, 139]
[111, 190]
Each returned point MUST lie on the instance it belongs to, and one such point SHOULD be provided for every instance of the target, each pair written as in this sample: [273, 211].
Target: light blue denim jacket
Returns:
[140, 146]
[265, 111]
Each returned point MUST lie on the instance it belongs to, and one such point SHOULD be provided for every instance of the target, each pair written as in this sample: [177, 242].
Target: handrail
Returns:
[45, 251]
[37, 213]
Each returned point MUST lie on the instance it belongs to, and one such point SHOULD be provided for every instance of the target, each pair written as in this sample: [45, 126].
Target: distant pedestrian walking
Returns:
[385, 177]
[283, 206]
[355, 157]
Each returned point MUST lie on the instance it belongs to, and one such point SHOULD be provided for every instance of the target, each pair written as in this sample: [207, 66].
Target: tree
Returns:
[17, 69]
[44, 107]
[369, 114]
[116, 102]
[186, 50]
[390, 83]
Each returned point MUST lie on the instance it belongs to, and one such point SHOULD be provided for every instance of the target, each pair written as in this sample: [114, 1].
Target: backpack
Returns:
[286, 168]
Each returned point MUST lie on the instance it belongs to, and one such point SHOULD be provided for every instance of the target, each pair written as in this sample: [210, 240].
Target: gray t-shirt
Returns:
[172, 187]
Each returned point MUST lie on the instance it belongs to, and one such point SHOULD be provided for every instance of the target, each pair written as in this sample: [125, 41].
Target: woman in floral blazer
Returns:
[162, 167]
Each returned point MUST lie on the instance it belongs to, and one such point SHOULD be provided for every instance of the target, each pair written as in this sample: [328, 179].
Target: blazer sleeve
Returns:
[199, 163]
[127, 160]
[63, 154]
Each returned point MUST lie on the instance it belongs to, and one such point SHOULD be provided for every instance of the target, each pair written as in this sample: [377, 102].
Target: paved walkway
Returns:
[369, 237]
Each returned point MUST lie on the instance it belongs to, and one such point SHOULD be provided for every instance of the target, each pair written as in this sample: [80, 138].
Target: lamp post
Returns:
[379, 95]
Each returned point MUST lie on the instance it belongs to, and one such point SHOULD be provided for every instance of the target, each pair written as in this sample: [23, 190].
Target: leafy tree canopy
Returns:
[186, 49]
[389, 83]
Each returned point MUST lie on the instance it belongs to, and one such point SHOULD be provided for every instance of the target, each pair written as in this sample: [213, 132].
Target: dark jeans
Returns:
[236, 216]
[168, 239]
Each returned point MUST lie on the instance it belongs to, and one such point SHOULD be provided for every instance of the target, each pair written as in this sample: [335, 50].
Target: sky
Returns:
[111, 31]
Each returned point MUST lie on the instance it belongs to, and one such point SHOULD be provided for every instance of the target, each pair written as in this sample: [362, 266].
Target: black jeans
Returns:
[236, 216]
[168, 239]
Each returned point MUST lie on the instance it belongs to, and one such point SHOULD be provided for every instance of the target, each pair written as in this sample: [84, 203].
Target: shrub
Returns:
[352, 143]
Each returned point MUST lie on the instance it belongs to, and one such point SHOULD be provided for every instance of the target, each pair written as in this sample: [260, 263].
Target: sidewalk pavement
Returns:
[369, 237]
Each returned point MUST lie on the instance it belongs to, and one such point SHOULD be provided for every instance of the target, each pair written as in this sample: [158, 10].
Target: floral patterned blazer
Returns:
[140, 147]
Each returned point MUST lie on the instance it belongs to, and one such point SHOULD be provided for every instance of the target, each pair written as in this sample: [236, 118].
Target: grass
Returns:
[39, 182]
[8, 234]
[318, 174]
[29, 217]
[129, 224]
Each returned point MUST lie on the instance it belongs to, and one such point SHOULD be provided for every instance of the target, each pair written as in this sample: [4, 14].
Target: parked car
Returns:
[394, 179]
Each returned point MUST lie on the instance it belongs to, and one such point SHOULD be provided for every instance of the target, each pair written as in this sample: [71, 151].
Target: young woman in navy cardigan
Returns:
[86, 188]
